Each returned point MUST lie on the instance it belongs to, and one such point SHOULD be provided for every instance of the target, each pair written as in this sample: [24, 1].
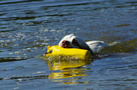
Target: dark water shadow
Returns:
[11, 59]
[14, 2]
[26, 77]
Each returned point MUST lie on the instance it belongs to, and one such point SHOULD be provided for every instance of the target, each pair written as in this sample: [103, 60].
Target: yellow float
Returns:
[66, 62]
[55, 51]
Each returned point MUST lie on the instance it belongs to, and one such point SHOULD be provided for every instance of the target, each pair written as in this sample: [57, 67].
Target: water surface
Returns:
[27, 27]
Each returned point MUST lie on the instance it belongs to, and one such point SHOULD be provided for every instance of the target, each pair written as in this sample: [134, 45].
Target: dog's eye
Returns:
[75, 42]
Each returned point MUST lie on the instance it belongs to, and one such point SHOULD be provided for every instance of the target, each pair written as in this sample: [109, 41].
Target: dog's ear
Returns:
[79, 42]
[75, 43]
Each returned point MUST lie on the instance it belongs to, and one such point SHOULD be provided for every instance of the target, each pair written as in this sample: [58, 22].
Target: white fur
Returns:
[70, 37]
[96, 46]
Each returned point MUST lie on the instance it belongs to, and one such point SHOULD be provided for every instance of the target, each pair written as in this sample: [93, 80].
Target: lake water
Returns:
[27, 27]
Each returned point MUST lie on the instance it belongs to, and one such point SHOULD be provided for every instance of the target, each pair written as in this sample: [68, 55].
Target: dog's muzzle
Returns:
[66, 44]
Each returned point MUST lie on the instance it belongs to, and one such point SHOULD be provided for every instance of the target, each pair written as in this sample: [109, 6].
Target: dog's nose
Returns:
[65, 42]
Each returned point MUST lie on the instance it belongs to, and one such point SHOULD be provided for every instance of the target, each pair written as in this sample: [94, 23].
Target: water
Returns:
[27, 27]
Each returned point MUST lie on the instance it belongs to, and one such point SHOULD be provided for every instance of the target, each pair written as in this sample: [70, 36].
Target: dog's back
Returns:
[96, 46]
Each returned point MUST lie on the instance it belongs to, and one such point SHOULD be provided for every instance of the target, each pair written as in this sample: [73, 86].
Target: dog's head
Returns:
[72, 41]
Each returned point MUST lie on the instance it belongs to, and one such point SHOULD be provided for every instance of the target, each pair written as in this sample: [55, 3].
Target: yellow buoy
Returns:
[69, 52]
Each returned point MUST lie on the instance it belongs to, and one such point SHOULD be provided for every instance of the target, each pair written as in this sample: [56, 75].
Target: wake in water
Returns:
[121, 47]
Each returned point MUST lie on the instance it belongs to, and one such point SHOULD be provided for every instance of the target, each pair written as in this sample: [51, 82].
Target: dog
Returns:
[72, 41]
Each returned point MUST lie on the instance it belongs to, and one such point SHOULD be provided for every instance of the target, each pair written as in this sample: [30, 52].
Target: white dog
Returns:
[72, 41]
